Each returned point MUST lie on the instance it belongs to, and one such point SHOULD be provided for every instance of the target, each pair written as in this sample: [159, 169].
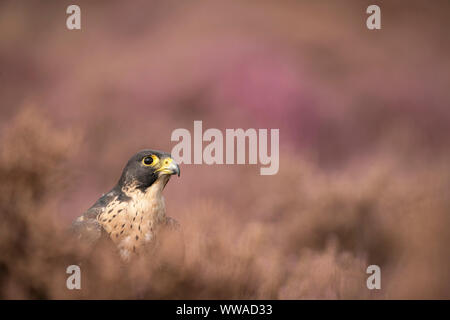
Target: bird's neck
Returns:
[150, 201]
[155, 190]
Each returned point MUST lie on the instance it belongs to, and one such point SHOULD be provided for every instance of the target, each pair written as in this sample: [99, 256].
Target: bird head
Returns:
[146, 167]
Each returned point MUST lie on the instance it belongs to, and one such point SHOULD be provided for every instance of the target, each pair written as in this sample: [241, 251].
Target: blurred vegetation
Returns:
[364, 128]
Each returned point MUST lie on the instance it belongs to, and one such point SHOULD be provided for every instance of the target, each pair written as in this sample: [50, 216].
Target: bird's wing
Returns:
[86, 227]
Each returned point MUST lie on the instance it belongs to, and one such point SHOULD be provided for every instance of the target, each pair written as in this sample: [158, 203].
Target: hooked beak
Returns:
[169, 166]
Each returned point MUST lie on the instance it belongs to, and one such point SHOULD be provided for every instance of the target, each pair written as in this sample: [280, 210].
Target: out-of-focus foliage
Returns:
[364, 130]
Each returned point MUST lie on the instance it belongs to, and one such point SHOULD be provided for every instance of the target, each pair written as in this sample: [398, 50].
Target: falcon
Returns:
[133, 212]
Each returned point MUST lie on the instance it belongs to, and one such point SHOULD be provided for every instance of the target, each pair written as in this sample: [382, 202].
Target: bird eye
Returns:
[150, 160]
[147, 161]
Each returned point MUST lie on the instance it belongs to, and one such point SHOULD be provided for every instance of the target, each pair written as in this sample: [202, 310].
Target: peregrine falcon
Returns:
[133, 212]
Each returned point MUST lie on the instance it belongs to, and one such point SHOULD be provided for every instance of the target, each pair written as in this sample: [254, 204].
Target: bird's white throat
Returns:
[151, 201]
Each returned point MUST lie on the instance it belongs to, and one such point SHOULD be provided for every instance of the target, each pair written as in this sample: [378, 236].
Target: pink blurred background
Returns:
[345, 98]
